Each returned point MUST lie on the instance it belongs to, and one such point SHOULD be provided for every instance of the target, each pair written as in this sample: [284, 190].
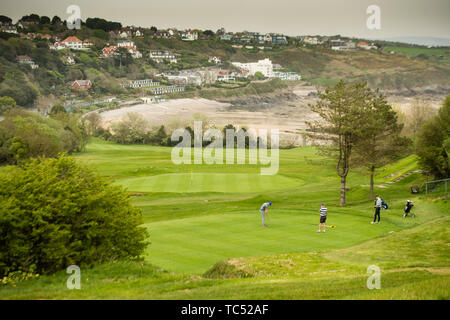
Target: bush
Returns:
[25, 134]
[57, 212]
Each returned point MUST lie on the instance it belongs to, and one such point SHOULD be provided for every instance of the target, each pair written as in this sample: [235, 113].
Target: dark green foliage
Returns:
[57, 212]
[56, 20]
[57, 109]
[25, 134]
[433, 143]
[6, 104]
[102, 24]
[5, 19]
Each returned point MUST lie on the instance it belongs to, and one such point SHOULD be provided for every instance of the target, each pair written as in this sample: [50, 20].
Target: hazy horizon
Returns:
[399, 19]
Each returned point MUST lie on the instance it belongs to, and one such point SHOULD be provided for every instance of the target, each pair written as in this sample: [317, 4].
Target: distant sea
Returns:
[424, 41]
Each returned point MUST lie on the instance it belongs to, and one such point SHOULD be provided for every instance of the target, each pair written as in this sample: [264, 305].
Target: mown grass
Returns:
[207, 242]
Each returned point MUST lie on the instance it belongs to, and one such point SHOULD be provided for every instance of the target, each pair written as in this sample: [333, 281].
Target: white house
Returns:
[67, 59]
[27, 60]
[74, 43]
[8, 29]
[342, 45]
[189, 35]
[311, 40]
[131, 48]
[215, 59]
[264, 66]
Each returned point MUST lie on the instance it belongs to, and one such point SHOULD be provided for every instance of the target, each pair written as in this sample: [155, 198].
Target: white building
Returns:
[264, 66]
[141, 83]
[214, 59]
[27, 60]
[311, 40]
[160, 56]
[167, 89]
[286, 76]
[189, 35]
[342, 45]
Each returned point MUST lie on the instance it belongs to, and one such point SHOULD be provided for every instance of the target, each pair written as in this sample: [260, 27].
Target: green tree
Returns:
[57, 108]
[58, 212]
[132, 129]
[56, 20]
[341, 109]
[44, 20]
[380, 142]
[25, 134]
[6, 104]
[433, 143]
[5, 19]
[259, 75]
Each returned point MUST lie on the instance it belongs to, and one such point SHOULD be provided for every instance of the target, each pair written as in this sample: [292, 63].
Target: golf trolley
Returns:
[408, 208]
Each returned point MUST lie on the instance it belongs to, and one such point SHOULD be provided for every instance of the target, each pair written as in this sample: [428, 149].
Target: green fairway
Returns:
[194, 245]
[207, 241]
[198, 215]
[209, 182]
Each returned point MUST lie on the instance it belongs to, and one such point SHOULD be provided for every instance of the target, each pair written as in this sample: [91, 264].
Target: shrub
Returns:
[57, 212]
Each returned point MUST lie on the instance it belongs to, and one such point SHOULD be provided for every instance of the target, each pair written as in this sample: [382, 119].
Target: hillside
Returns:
[392, 66]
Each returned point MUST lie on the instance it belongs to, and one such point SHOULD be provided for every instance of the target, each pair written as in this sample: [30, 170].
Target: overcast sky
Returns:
[428, 18]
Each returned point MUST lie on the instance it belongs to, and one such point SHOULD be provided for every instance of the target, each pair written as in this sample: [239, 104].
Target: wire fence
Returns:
[437, 186]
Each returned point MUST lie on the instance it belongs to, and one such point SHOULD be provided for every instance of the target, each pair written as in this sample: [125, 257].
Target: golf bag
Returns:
[408, 208]
[384, 205]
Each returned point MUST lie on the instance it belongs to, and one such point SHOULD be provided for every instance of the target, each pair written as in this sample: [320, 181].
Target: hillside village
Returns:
[105, 59]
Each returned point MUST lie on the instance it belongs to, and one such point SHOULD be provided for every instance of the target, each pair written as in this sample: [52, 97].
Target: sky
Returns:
[399, 18]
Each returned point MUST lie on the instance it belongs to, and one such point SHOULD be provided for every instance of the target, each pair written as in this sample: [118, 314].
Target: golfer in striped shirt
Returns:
[323, 216]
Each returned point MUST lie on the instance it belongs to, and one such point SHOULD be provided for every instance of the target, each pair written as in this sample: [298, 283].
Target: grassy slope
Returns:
[190, 232]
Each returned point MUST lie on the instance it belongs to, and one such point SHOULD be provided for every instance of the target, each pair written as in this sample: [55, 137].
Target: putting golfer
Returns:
[263, 210]
[323, 211]
[377, 207]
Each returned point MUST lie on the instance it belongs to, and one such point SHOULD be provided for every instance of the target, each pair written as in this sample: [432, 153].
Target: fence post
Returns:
[426, 188]
[446, 186]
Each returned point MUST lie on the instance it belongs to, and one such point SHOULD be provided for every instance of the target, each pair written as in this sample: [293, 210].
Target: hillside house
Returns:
[109, 51]
[189, 35]
[68, 60]
[311, 40]
[342, 45]
[8, 29]
[81, 84]
[226, 76]
[131, 48]
[215, 59]
[27, 60]
[74, 43]
[278, 39]
[365, 45]
[226, 37]
[264, 66]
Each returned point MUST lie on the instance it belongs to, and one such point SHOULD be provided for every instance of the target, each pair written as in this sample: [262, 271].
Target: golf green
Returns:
[209, 182]
[193, 245]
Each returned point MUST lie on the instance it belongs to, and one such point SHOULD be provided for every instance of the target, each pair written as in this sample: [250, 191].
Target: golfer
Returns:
[377, 207]
[263, 211]
[323, 211]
